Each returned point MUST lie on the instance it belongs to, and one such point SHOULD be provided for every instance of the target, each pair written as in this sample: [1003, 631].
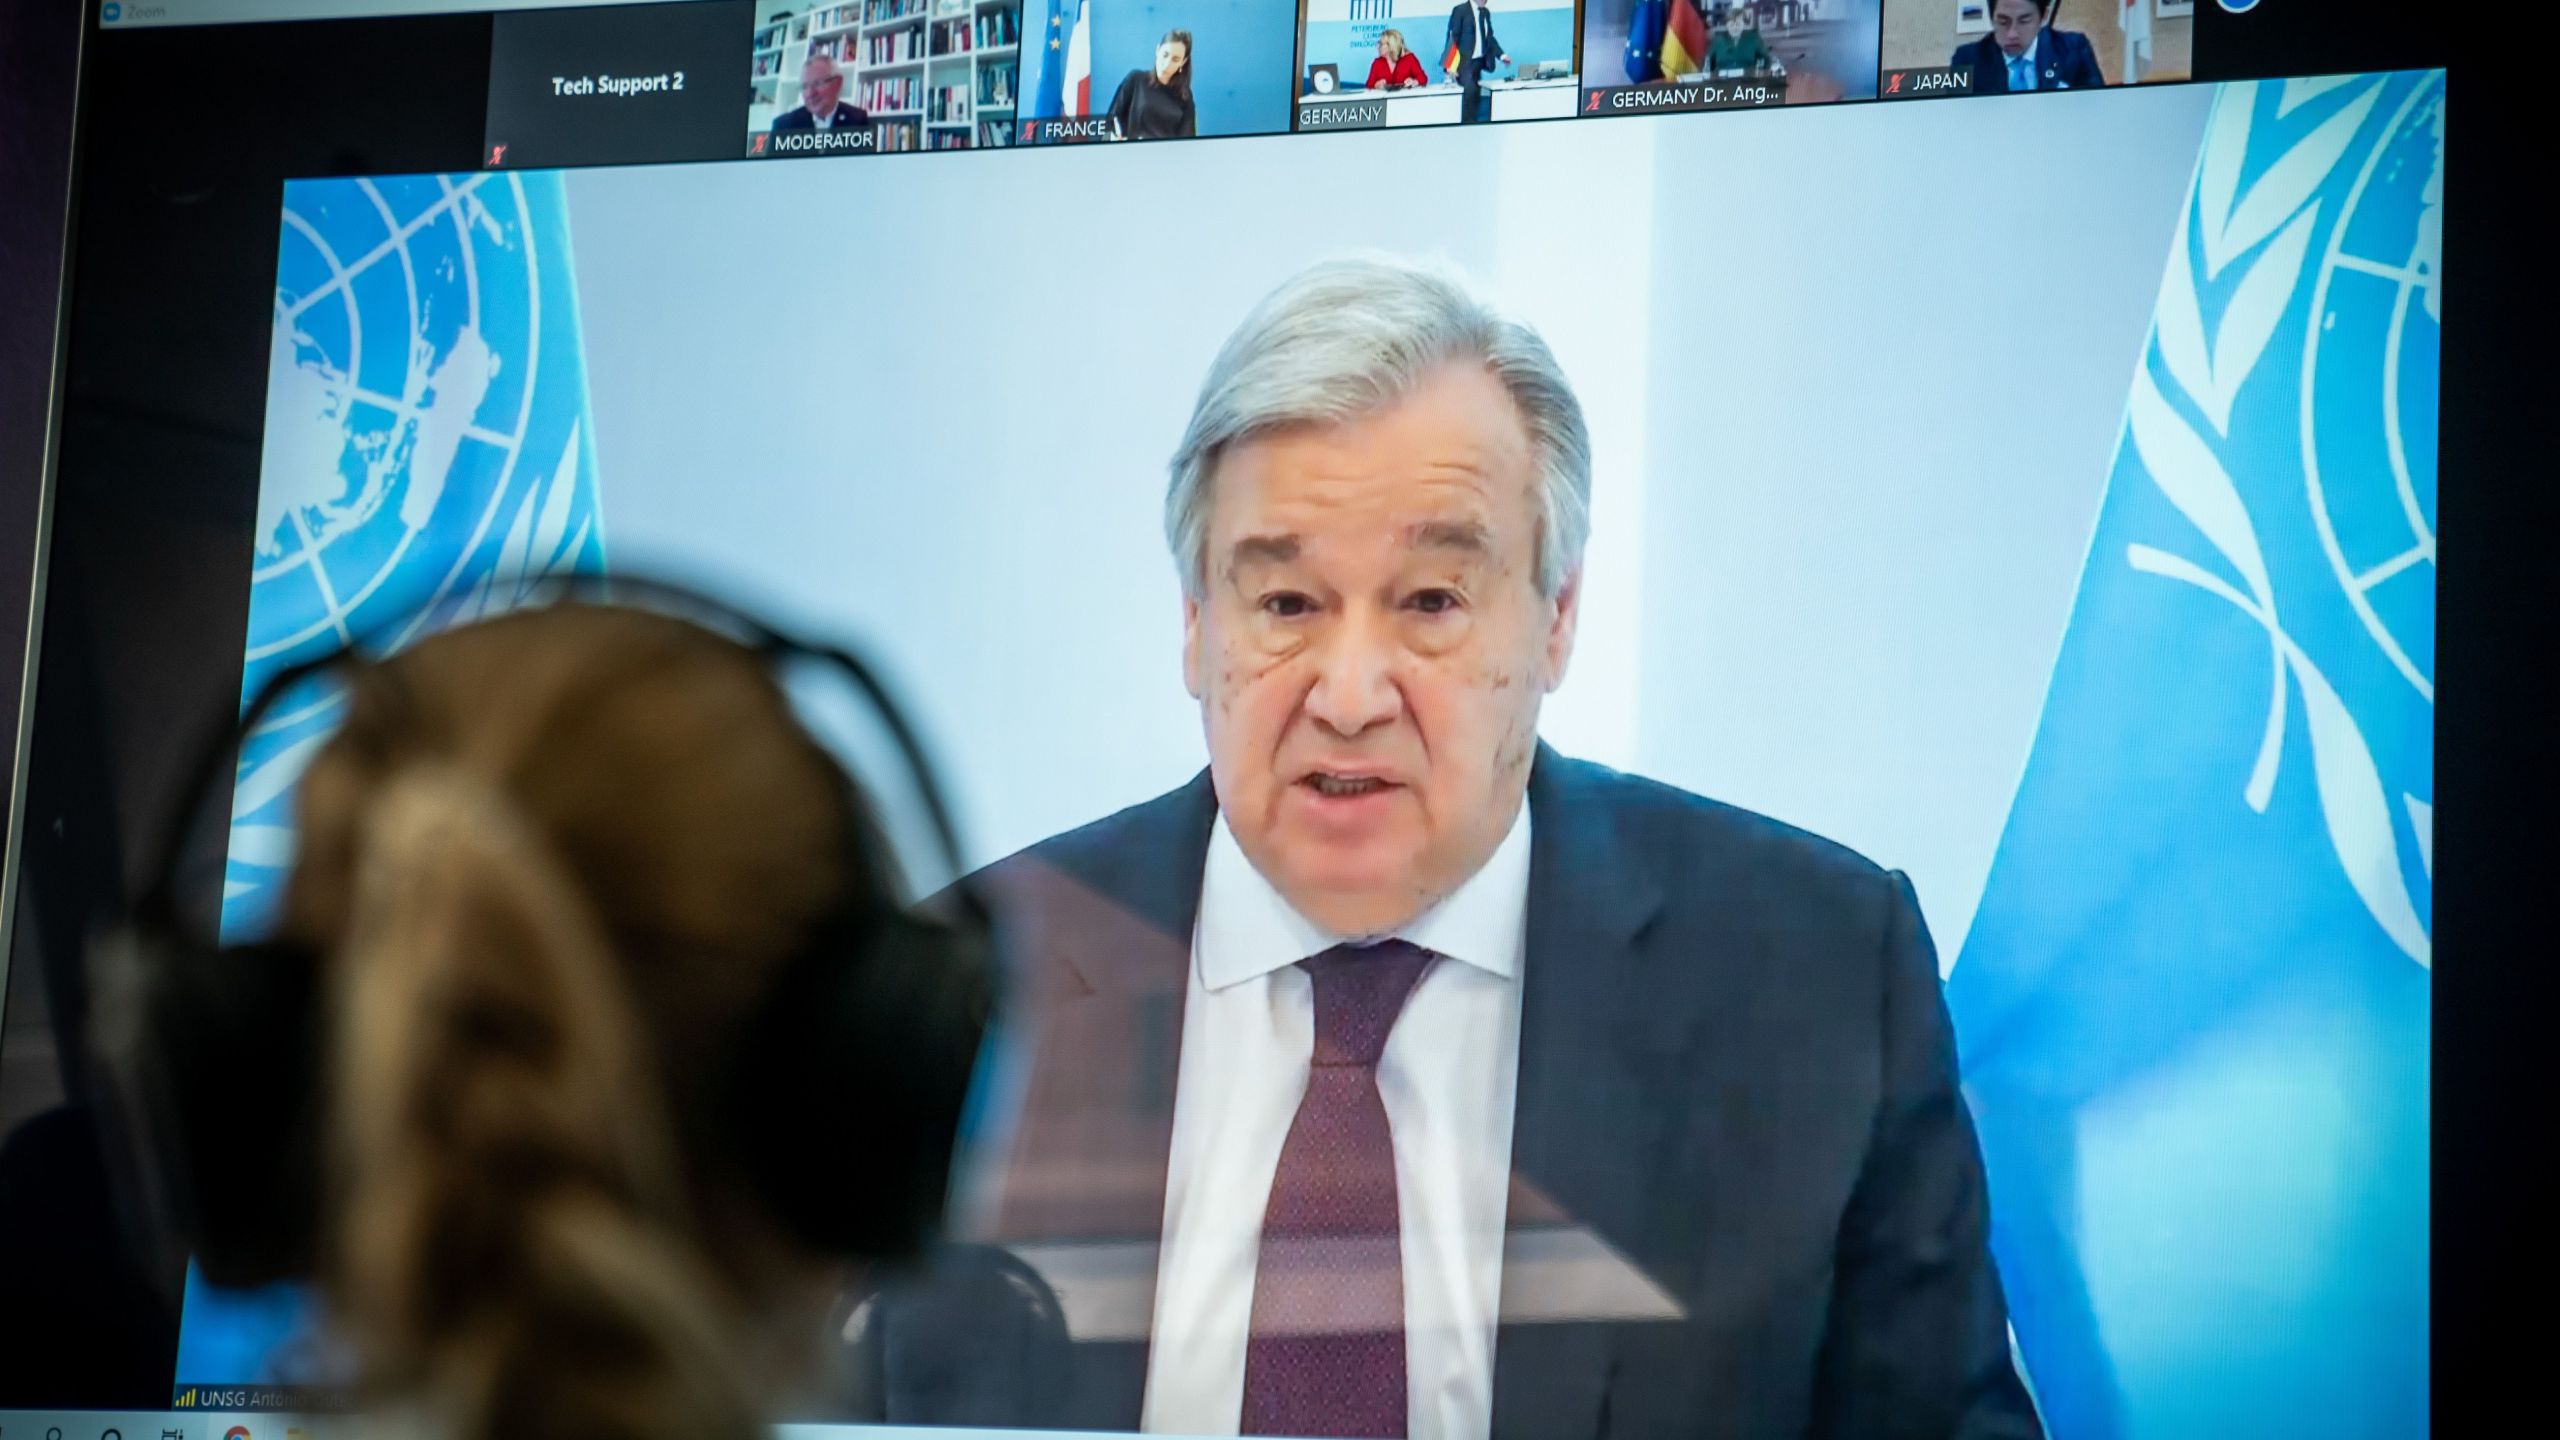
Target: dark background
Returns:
[183, 142]
[704, 121]
[187, 136]
[39, 48]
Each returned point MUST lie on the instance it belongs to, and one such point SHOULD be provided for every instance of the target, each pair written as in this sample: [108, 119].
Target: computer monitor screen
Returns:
[1691, 770]
[2063, 545]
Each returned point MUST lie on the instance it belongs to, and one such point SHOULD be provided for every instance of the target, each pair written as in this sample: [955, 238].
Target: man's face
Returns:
[1371, 648]
[821, 85]
[2014, 24]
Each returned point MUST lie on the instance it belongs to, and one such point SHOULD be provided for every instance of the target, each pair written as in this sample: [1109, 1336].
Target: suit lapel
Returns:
[1591, 897]
[1112, 944]
[1103, 932]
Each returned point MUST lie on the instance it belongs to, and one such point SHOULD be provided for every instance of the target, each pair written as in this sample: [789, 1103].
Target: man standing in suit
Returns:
[1476, 50]
[1399, 1076]
[821, 101]
[2024, 53]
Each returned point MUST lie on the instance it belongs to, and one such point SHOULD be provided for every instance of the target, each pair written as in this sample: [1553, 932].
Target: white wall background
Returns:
[1855, 375]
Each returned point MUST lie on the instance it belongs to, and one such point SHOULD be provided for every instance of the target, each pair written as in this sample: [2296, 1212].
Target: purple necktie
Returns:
[1325, 1355]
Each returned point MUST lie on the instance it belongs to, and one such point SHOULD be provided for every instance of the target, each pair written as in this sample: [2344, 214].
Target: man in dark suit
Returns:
[821, 106]
[1398, 1075]
[1478, 49]
[2024, 53]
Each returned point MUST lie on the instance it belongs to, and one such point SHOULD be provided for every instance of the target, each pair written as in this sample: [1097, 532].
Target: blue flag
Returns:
[2194, 1004]
[1644, 40]
[428, 454]
[429, 458]
[1044, 61]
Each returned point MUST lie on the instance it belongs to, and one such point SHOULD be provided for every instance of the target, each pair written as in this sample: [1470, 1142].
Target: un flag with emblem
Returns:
[2194, 1007]
[427, 448]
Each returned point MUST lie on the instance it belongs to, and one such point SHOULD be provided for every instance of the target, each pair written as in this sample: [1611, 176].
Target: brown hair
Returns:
[552, 862]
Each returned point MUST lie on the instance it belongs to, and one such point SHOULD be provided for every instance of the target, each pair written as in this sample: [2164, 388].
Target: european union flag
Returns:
[1045, 58]
[2194, 1005]
[1644, 40]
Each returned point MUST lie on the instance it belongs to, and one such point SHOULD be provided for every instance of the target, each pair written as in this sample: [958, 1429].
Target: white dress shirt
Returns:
[1448, 1077]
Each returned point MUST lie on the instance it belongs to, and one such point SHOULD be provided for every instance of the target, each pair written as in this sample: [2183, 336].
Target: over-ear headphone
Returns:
[844, 1095]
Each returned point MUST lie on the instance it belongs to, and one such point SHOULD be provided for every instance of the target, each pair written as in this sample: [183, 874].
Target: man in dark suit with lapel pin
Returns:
[1400, 1076]
[2023, 52]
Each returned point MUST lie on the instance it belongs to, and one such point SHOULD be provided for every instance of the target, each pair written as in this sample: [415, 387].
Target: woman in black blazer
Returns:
[1156, 104]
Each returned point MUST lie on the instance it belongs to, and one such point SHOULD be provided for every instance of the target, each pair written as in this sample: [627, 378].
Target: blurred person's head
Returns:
[821, 85]
[552, 865]
[1173, 59]
[1378, 510]
[2014, 24]
[1739, 19]
[1391, 43]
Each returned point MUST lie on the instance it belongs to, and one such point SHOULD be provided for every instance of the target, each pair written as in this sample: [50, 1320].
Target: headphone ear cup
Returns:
[208, 1067]
[854, 1077]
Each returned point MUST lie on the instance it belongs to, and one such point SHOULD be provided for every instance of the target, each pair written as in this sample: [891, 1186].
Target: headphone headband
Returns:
[771, 641]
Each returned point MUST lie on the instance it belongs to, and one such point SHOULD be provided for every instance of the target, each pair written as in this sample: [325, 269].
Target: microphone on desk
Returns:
[975, 1336]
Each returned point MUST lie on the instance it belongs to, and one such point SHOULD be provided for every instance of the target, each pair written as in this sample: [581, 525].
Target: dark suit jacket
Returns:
[799, 118]
[1735, 1070]
[2064, 60]
[1462, 33]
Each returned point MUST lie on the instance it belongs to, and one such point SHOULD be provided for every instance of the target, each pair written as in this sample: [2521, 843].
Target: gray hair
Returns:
[1347, 337]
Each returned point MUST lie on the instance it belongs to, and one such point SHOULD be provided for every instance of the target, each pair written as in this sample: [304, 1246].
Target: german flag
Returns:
[1449, 63]
[1684, 40]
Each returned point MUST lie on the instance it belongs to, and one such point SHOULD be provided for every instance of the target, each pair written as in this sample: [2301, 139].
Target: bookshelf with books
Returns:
[971, 67]
[775, 53]
[988, 33]
[932, 74]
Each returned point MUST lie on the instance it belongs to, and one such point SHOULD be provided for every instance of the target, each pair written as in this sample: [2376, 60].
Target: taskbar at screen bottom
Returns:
[188, 1424]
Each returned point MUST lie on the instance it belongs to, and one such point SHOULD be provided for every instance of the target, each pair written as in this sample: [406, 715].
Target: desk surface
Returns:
[1340, 97]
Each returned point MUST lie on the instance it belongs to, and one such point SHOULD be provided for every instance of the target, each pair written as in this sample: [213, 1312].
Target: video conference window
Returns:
[2002, 47]
[906, 74]
[2076, 676]
[1730, 52]
[1371, 63]
[1102, 70]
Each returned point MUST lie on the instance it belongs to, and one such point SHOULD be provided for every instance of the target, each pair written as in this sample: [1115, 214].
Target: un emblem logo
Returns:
[2344, 201]
[426, 453]
[2372, 365]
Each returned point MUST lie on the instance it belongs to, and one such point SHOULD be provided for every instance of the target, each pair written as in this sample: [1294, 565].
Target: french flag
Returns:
[1078, 99]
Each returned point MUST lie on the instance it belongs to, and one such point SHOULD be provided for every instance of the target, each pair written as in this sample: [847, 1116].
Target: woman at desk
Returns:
[1156, 104]
[1737, 48]
[1396, 67]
